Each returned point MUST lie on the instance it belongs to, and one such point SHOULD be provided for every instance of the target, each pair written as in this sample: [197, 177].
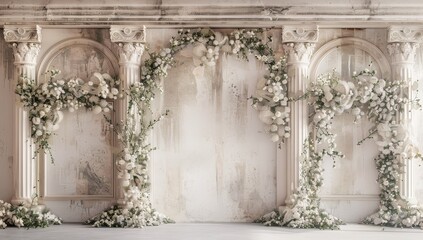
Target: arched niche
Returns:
[345, 48]
[71, 55]
[352, 183]
[84, 144]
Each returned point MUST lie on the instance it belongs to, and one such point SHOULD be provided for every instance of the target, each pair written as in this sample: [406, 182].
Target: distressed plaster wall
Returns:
[7, 100]
[214, 162]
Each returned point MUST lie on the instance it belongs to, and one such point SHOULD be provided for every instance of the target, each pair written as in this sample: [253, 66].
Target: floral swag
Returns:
[329, 96]
[46, 101]
[382, 103]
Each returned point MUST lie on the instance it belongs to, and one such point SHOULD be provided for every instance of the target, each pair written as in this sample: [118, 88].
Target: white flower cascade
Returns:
[382, 103]
[133, 133]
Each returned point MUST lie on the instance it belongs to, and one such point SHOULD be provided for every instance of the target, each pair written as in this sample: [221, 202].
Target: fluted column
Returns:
[25, 41]
[130, 40]
[298, 44]
[402, 45]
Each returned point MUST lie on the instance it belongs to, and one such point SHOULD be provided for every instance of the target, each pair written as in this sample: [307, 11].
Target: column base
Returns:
[21, 201]
[38, 208]
[281, 209]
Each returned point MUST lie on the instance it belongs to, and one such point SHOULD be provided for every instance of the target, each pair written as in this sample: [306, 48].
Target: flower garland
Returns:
[46, 101]
[382, 103]
[303, 209]
[271, 101]
[22, 216]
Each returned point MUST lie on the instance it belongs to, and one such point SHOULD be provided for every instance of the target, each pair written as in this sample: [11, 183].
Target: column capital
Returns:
[22, 33]
[26, 53]
[402, 52]
[130, 40]
[127, 34]
[402, 34]
[130, 53]
[299, 52]
[300, 34]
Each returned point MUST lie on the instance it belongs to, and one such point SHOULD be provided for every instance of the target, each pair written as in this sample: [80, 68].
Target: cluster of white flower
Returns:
[271, 98]
[135, 217]
[330, 96]
[22, 216]
[206, 50]
[47, 100]
[303, 209]
[382, 103]
[242, 42]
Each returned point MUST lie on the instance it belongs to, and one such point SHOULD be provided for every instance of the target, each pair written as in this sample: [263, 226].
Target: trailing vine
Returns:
[271, 100]
[382, 103]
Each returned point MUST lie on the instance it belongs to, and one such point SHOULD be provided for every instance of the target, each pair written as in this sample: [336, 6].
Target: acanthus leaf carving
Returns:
[26, 53]
[130, 53]
[402, 52]
[298, 52]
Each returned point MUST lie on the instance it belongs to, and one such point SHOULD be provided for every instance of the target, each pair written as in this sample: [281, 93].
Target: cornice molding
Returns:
[239, 13]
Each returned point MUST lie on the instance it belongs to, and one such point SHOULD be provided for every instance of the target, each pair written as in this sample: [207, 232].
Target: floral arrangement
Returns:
[382, 103]
[22, 216]
[303, 209]
[132, 163]
[271, 98]
[46, 101]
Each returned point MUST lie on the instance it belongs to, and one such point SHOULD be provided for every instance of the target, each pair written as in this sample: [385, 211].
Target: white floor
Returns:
[206, 231]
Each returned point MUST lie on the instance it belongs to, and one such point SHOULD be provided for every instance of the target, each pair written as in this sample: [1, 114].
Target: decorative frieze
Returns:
[405, 34]
[30, 34]
[305, 34]
[127, 34]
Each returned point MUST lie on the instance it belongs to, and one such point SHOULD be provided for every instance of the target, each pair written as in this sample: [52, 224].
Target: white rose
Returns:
[125, 183]
[36, 120]
[275, 137]
[97, 109]
[115, 91]
[129, 166]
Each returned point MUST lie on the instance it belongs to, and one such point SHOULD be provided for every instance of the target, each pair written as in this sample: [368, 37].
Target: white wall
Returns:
[214, 162]
[7, 100]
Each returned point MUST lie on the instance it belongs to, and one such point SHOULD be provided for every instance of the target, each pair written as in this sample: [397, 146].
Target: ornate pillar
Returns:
[298, 44]
[130, 40]
[25, 41]
[402, 45]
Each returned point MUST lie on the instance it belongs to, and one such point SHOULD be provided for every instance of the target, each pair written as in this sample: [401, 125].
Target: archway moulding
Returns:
[370, 48]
